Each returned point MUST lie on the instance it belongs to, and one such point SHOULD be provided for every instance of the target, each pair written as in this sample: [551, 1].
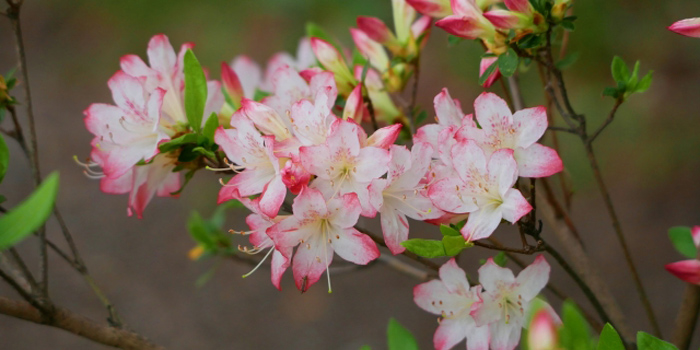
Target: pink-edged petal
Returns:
[478, 338]
[344, 138]
[309, 205]
[231, 83]
[372, 163]
[530, 124]
[273, 196]
[688, 27]
[248, 73]
[432, 8]
[686, 270]
[449, 333]
[429, 134]
[505, 19]
[266, 119]
[394, 228]
[542, 332]
[522, 6]
[485, 63]
[468, 160]
[354, 106]
[492, 112]
[251, 181]
[433, 297]
[289, 233]
[503, 167]
[310, 262]
[514, 206]
[161, 54]
[464, 27]
[134, 66]
[695, 232]
[384, 137]
[344, 211]
[127, 92]
[454, 278]
[505, 335]
[117, 185]
[354, 246]
[370, 49]
[449, 195]
[279, 265]
[533, 278]
[316, 160]
[490, 275]
[481, 223]
[447, 110]
[375, 29]
[487, 311]
[400, 162]
[537, 161]
[464, 7]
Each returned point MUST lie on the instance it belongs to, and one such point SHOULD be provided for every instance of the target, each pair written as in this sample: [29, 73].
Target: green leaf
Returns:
[487, 72]
[29, 215]
[421, 117]
[609, 339]
[508, 63]
[199, 231]
[210, 127]
[646, 341]
[453, 40]
[449, 231]
[575, 334]
[567, 61]
[259, 95]
[453, 244]
[682, 240]
[619, 69]
[399, 338]
[500, 259]
[611, 91]
[2, 199]
[645, 83]
[568, 25]
[425, 248]
[205, 152]
[4, 158]
[177, 143]
[195, 91]
[530, 41]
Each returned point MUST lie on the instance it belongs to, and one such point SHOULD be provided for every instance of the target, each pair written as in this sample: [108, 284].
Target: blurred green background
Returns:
[650, 157]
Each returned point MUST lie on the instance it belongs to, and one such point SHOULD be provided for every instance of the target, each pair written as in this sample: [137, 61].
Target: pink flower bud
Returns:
[506, 19]
[486, 62]
[375, 29]
[354, 106]
[688, 27]
[522, 6]
[543, 331]
[333, 61]
[232, 85]
[687, 270]
[432, 8]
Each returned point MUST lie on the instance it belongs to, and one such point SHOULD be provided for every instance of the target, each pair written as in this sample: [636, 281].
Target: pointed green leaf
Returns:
[173, 144]
[620, 72]
[500, 259]
[645, 83]
[508, 63]
[609, 339]
[575, 334]
[646, 341]
[568, 60]
[453, 244]
[4, 158]
[399, 338]
[210, 127]
[682, 240]
[195, 91]
[29, 215]
[425, 248]
[449, 231]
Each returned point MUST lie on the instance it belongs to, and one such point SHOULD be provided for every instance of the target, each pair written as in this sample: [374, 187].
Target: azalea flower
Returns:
[449, 115]
[253, 157]
[688, 270]
[453, 299]
[506, 299]
[342, 166]
[501, 129]
[483, 189]
[688, 27]
[543, 331]
[402, 194]
[321, 227]
[166, 72]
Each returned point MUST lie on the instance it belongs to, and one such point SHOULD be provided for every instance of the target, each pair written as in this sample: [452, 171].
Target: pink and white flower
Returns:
[501, 129]
[253, 154]
[688, 27]
[467, 21]
[432, 8]
[506, 299]
[342, 166]
[453, 299]
[403, 194]
[485, 63]
[321, 227]
[483, 187]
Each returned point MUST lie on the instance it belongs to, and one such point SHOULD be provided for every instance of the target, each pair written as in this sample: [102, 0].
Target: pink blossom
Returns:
[343, 166]
[432, 8]
[483, 189]
[370, 49]
[375, 29]
[288, 87]
[486, 62]
[449, 115]
[321, 227]
[543, 331]
[384, 106]
[467, 21]
[453, 299]
[688, 270]
[506, 298]
[252, 155]
[402, 194]
[688, 27]
[500, 129]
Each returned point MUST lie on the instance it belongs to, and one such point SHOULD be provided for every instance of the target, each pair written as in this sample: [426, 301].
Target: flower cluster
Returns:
[489, 314]
[148, 109]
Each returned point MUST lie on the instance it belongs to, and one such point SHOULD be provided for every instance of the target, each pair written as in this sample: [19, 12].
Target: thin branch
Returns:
[559, 128]
[687, 316]
[517, 97]
[78, 325]
[13, 13]
[528, 250]
[24, 269]
[607, 122]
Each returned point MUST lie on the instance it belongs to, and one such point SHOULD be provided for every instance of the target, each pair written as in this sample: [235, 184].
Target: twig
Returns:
[13, 13]
[78, 325]
[607, 122]
[34, 287]
[515, 93]
[528, 250]
[559, 128]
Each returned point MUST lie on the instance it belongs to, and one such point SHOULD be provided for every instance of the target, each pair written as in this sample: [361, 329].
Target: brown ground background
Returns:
[649, 155]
